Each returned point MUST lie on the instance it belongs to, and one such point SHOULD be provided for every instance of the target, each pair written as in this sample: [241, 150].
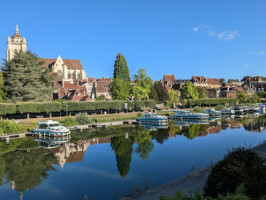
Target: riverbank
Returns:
[185, 184]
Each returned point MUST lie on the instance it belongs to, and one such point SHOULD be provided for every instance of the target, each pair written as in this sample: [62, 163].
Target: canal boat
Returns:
[239, 110]
[51, 129]
[153, 118]
[227, 111]
[189, 116]
[212, 113]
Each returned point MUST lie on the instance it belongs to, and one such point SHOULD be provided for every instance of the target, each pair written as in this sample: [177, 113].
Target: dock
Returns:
[7, 137]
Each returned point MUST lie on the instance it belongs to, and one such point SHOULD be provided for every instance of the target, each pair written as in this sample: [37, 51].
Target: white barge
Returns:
[51, 129]
[153, 118]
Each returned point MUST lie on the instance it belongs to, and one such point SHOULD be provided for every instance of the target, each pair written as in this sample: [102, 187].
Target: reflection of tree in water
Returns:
[160, 135]
[195, 130]
[255, 124]
[123, 151]
[26, 168]
[145, 145]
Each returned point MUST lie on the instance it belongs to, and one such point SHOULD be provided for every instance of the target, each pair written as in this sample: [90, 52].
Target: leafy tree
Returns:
[254, 98]
[161, 91]
[153, 94]
[246, 78]
[173, 97]
[143, 85]
[221, 81]
[25, 79]
[120, 89]
[2, 94]
[189, 91]
[203, 93]
[121, 69]
[242, 97]
[145, 145]
[123, 151]
[100, 98]
[232, 80]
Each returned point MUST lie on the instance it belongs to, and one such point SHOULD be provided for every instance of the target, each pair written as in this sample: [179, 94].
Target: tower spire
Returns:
[17, 30]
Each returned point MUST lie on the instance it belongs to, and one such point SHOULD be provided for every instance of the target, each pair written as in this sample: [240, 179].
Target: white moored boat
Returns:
[153, 118]
[51, 128]
[211, 112]
[188, 115]
[228, 111]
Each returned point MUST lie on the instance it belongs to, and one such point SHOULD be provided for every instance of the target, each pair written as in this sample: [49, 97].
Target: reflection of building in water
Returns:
[74, 152]
[13, 186]
[255, 125]
[214, 129]
[70, 152]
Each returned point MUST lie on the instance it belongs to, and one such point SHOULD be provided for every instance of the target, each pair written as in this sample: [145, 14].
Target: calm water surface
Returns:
[111, 163]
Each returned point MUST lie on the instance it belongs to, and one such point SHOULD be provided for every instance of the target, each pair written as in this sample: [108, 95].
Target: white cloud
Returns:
[224, 35]
[256, 52]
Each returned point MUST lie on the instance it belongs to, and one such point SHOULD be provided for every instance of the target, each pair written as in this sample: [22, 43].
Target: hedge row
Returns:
[48, 107]
[208, 102]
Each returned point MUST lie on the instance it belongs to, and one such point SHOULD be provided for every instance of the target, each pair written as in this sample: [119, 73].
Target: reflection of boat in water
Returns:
[185, 115]
[153, 127]
[190, 122]
[51, 142]
[211, 112]
[153, 118]
[51, 128]
[227, 111]
[228, 116]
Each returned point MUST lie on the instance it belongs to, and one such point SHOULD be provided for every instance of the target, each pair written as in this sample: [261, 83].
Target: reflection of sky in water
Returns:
[97, 176]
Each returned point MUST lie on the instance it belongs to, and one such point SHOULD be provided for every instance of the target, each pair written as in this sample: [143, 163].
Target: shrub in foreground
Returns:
[8, 126]
[83, 118]
[69, 121]
[239, 166]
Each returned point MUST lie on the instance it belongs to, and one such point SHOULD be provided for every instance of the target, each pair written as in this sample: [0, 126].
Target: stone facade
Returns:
[15, 44]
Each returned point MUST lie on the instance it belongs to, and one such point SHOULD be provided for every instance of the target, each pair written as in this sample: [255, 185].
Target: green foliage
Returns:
[232, 80]
[139, 104]
[143, 84]
[35, 107]
[209, 102]
[8, 126]
[191, 131]
[254, 98]
[2, 94]
[246, 78]
[219, 107]
[221, 81]
[239, 194]
[83, 118]
[123, 151]
[203, 93]
[120, 89]
[121, 69]
[242, 97]
[173, 97]
[150, 103]
[69, 121]
[7, 108]
[239, 166]
[145, 145]
[197, 110]
[189, 91]
[25, 79]
[161, 91]
[262, 94]
[153, 94]
[100, 98]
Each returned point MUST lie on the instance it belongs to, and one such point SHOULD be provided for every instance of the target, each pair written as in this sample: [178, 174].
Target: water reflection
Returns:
[24, 165]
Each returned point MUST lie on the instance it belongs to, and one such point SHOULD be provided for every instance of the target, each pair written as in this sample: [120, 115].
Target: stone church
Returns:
[66, 69]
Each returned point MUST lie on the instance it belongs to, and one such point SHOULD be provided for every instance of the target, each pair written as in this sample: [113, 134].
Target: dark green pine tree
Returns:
[120, 68]
[25, 79]
[2, 94]
[120, 88]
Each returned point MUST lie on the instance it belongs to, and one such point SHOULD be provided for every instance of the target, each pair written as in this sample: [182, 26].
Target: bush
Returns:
[197, 110]
[69, 121]
[239, 194]
[83, 118]
[7, 108]
[8, 126]
[239, 166]
[100, 98]
[219, 107]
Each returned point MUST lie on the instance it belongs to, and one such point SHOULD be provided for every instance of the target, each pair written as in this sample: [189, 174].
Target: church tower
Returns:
[15, 44]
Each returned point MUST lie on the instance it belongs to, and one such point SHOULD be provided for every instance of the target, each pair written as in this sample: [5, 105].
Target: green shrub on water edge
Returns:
[9, 126]
[83, 118]
[69, 121]
[239, 166]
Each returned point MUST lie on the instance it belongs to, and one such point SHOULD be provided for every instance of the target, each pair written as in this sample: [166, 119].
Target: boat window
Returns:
[54, 125]
[147, 115]
[43, 126]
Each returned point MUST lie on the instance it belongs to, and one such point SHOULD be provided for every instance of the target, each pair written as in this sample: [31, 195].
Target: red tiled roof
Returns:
[169, 78]
[212, 81]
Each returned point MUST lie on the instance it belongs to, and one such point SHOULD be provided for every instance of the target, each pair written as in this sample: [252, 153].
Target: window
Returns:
[43, 126]
[54, 125]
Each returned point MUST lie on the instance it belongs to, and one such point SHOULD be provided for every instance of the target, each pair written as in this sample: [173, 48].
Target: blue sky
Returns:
[213, 38]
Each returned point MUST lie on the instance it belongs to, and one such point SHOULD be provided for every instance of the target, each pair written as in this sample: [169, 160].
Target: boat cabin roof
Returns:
[48, 122]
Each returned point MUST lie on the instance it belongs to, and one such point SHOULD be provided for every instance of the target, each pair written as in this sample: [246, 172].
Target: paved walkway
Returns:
[186, 184]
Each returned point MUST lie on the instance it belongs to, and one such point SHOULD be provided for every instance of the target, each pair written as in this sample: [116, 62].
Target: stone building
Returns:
[103, 87]
[15, 44]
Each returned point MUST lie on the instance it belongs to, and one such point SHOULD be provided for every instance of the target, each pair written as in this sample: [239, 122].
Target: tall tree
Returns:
[153, 94]
[25, 79]
[121, 69]
[203, 93]
[161, 91]
[2, 94]
[189, 91]
[120, 87]
[173, 97]
[221, 81]
[143, 85]
[242, 97]
[232, 80]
